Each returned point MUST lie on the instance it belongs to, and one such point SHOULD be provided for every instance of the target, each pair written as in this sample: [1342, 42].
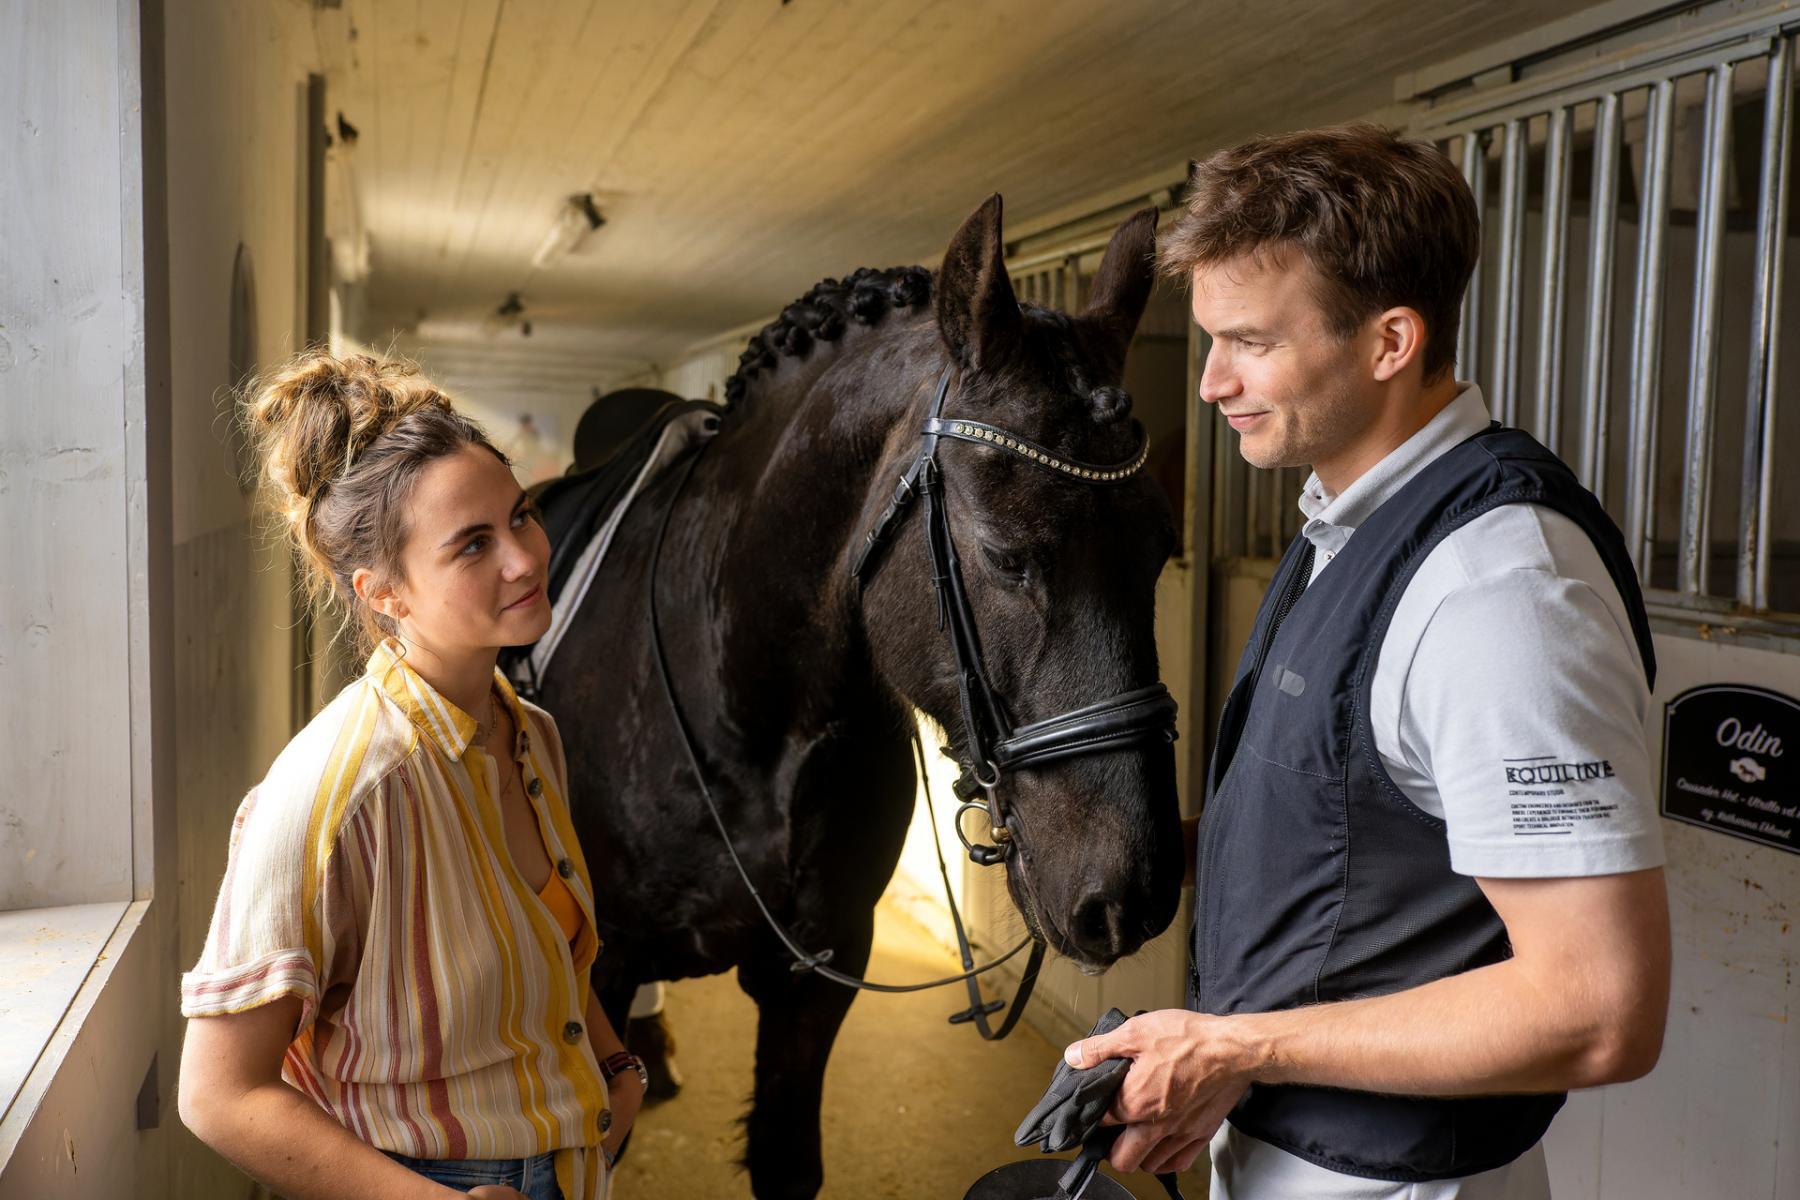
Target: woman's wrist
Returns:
[624, 1064]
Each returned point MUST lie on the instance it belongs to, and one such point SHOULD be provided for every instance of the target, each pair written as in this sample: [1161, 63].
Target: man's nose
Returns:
[1217, 381]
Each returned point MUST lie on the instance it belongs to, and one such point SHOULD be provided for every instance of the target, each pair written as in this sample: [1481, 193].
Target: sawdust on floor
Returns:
[915, 1109]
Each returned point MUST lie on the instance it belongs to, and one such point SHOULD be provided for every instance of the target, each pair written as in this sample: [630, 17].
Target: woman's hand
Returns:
[233, 1097]
[625, 1096]
[625, 1091]
[495, 1191]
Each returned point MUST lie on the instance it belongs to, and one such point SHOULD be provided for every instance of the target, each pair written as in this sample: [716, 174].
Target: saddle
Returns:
[583, 505]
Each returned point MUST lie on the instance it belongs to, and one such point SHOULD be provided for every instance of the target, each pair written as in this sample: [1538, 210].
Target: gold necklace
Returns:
[509, 773]
[485, 729]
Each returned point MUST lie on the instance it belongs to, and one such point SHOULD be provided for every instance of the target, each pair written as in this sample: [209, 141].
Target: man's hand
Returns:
[1187, 1072]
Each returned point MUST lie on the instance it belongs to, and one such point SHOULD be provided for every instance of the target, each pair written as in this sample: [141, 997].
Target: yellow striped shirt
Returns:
[442, 1010]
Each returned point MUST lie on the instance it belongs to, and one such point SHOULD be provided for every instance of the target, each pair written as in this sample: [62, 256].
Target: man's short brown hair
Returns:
[1384, 221]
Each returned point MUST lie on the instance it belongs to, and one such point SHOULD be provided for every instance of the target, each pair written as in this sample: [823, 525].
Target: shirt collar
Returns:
[448, 727]
[1332, 518]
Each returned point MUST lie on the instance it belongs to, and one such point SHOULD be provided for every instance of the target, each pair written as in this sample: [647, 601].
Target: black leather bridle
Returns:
[991, 746]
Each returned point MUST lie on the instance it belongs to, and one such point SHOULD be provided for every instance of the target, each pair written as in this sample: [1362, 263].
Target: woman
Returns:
[398, 961]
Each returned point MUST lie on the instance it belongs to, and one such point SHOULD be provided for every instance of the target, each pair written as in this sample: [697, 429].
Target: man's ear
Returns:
[1401, 333]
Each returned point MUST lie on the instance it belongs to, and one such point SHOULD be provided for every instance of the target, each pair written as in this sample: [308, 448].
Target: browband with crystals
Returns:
[989, 435]
[935, 426]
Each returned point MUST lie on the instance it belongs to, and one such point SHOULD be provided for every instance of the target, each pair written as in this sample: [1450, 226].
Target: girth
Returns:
[991, 745]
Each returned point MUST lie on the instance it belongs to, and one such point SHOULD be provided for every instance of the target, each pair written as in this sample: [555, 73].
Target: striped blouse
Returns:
[442, 1008]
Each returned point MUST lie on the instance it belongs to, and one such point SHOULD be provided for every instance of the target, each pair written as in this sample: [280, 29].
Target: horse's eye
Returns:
[1005, 562]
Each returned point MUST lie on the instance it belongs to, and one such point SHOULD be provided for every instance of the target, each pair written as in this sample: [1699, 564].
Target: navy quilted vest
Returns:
[1317, 879]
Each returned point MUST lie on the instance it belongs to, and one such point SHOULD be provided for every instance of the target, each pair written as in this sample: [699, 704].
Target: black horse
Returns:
[798, 683]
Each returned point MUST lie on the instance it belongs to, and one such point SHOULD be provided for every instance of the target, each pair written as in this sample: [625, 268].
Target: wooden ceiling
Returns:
[742, 149]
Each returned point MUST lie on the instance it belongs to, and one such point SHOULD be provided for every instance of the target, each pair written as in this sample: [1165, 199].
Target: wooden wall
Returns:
[69, 325]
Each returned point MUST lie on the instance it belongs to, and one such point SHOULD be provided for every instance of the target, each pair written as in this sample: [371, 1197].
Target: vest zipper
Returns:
[1290, 596]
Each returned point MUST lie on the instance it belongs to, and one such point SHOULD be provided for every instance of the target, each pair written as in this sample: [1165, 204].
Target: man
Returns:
[1429, 888]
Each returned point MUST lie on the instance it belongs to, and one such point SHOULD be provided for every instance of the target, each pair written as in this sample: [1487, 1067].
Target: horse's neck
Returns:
[786, 493]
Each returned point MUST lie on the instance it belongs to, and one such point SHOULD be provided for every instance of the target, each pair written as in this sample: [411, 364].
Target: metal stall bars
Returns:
[1616, 96]
[1756, 497]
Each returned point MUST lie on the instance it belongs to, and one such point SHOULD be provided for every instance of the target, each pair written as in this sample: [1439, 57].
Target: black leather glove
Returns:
[1076, 1099]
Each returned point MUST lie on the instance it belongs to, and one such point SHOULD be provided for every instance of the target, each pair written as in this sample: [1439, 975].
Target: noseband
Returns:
[991, 745]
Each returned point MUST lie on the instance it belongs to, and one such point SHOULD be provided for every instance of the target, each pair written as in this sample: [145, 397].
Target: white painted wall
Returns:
[77, 507]
[69, 326]
[1719, 1118]
[700, 371]
[236, 76]
[233, 104]
[528, 394]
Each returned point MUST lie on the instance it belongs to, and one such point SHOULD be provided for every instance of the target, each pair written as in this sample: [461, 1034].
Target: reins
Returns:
[991, 745]
[819, 962]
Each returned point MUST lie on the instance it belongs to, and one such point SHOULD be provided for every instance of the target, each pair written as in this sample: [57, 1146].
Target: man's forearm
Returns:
[1581, 1002]
[282, 1139]
[1491, 1030]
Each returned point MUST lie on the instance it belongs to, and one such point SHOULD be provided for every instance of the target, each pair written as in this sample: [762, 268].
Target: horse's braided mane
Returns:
[823, 314]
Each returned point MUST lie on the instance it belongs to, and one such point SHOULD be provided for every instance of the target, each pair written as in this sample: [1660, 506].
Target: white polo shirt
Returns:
[1509, 697]
[1509, 701]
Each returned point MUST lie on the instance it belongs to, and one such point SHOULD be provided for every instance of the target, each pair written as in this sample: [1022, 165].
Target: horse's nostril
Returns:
[1097, 927]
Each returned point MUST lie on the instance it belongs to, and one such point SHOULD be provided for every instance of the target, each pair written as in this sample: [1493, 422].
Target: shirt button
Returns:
[572, 1032]
[535, 787]
[565, 868]
[605, 1120]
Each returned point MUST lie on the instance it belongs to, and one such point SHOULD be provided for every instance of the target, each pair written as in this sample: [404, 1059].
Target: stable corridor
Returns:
[914, 1108]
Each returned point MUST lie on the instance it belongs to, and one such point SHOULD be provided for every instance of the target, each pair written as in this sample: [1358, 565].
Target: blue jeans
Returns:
[536, 1177]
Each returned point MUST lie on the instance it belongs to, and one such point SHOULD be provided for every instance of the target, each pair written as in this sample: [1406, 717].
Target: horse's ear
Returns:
[1126, 275]
[977, 313]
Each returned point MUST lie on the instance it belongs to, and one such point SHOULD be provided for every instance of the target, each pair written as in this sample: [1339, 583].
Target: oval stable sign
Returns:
[1730, 753]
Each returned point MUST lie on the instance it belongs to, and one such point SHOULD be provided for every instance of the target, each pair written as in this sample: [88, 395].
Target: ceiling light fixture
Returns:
[579, 217]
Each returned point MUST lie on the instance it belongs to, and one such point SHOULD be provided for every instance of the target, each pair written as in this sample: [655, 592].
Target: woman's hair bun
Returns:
[341, 443]
[311, 418]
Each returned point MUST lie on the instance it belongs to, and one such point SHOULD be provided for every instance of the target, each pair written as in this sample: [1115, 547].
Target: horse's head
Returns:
[1060, 575]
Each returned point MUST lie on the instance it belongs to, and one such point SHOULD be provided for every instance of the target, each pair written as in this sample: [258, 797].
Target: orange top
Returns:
[561, 902]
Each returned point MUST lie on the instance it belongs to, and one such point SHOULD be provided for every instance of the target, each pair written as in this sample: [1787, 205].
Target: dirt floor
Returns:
[915, 1109]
